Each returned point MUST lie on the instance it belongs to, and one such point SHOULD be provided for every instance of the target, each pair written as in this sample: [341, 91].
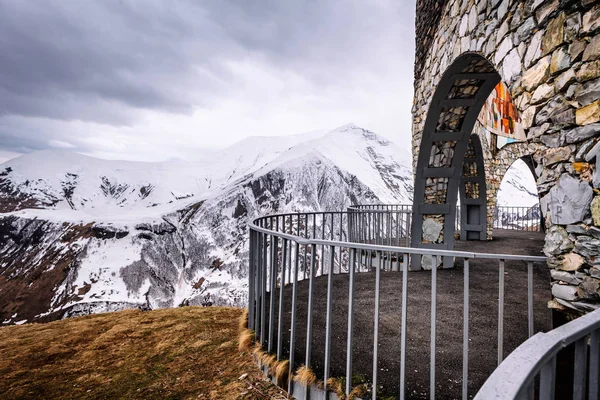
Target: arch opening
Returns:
[518, 204]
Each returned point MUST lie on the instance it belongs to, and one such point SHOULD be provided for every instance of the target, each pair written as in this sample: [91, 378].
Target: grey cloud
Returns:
[107, 62]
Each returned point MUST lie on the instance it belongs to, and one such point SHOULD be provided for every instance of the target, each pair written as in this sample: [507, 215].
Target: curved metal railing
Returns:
[288, 248]
[515, 377]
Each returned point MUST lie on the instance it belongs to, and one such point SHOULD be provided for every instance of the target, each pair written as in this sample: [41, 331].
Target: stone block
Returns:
[564, 79]
[588, 289]
[565, 277]
[595, 209]
[505, 46]
[565, 292]
[588, 92]
[552, 139]
[554, 34]
[589, 70]
[432, 230]
[588, 114]
[534, 50]
[592, 50]
[537, 74]
[557, 242]
[587, 247]
[561, 60]
[542, 93]
[576, 49]
[560, 154]
[581, 133]
[555, 106]
[570, 200]
[564, 119]
[572, 262]
[572, 26]
[545, 10]
[591, 20]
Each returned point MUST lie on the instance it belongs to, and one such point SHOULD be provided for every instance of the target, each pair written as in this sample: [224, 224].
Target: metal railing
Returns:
[518, 218]
[516, 377]
[288, 248]
[386, 223]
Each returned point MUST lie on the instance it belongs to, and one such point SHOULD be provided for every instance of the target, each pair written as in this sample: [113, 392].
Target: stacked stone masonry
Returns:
[548, 55]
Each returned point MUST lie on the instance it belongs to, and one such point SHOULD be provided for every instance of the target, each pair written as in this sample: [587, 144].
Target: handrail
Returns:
[514, 377]
[374, 247]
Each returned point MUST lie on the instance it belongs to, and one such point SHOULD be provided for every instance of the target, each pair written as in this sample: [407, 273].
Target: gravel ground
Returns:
[483, 319]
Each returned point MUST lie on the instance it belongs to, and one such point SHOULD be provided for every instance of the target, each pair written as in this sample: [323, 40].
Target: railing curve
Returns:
[288, 248]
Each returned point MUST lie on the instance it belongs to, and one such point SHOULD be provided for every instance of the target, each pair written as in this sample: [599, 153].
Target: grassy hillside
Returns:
[180, 353]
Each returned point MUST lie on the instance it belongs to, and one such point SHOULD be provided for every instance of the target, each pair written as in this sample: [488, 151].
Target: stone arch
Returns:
[456, 103]
[546, 53]
[499, 165]
[514, 213]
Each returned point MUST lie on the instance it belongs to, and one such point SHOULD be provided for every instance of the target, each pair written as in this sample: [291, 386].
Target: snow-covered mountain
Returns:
[80, 235]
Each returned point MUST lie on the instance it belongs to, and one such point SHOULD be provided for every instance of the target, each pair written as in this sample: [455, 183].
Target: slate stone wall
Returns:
[548, 55]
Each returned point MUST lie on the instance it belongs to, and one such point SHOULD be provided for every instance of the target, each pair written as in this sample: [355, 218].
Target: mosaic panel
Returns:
[464, 88]
[441, 154]
[451, 119]
[500, 116]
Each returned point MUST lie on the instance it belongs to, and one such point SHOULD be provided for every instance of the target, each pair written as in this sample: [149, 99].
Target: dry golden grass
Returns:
[305, 376]
[245, 340]
[282, 372]
[336, 386]
[181, 353]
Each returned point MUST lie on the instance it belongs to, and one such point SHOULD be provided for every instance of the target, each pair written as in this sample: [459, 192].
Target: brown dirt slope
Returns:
[182, 353]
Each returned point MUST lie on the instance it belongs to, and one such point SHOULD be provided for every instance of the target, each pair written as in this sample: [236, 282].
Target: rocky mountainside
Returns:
[81, 235]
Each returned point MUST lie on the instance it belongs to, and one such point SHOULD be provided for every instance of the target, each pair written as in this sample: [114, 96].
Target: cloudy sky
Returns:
[154, 80]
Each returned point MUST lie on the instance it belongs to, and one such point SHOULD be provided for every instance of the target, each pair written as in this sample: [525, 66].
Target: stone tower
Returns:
[539, 62]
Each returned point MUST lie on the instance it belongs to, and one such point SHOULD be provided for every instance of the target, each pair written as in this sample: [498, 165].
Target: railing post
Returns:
[433, 326]
[273, 283]
[530, 297]
[594, 368]
[350, 323]
[309, 323]
[293, 324]
[580, 370]
[403, 326]
[263, 310]
[280, 313]
[376, 330]
[501, 311]
[465, 375]
[328, 317]
[251, 271]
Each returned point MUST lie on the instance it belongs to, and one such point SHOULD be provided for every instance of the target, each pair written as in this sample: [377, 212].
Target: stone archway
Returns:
[458, 99]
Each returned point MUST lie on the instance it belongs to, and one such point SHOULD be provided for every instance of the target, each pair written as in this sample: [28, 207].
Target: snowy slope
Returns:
[100, 189]
[81, 235]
